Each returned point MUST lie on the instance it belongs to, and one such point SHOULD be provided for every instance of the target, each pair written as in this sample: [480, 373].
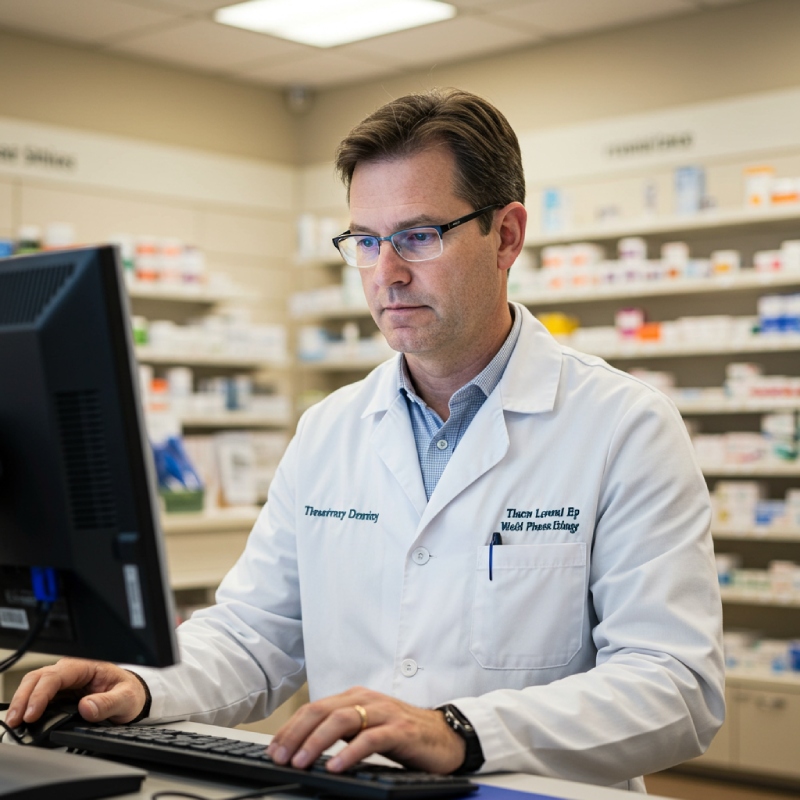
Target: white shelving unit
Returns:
[755, 344]
[758, 534]
[714, 220]
[759, 598]
[149, 355]
[737, 295]
[750, 406]
[234, 419]
[185, 292]
[755, 470]
[224, 519]
[201, 548]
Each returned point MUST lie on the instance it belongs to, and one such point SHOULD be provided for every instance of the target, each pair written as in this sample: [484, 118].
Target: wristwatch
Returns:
[473, 758]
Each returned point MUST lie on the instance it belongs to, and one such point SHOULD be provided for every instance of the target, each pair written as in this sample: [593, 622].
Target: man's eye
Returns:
[366, 242]
[415, 238]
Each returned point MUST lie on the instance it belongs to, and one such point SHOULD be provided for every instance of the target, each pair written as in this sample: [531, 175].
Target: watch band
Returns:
[148, 699]
[473, 757]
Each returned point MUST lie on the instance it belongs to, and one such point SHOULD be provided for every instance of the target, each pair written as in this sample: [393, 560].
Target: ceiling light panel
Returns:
[321, 23]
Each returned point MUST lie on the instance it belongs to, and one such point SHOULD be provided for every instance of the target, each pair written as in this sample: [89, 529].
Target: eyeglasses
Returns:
[412, 244]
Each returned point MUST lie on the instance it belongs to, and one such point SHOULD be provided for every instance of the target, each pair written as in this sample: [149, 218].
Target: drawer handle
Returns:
[771, 703]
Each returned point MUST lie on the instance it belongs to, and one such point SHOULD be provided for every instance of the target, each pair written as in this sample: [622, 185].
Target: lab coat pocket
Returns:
[530, 615]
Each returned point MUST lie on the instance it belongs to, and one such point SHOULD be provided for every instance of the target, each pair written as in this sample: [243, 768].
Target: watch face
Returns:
[456, 722]
[473, 757]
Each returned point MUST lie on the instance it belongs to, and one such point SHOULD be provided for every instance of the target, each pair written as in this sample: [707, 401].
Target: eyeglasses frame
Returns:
[441, 229]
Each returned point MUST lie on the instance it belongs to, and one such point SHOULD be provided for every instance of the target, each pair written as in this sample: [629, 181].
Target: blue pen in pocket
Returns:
[496, 540]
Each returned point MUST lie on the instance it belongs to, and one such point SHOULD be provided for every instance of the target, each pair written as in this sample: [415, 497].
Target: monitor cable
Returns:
[45, 589]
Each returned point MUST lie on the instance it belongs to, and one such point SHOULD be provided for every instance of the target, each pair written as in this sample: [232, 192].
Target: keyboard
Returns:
[172, 748]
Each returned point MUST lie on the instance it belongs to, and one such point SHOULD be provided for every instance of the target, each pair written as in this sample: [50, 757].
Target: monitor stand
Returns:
[36, 773]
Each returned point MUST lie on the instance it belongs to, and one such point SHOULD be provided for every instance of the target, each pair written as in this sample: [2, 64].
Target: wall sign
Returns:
[91, 159]
[699, 133]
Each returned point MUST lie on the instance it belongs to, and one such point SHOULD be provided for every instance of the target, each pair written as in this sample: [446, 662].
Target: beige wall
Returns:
[79, 88]
[722, 52]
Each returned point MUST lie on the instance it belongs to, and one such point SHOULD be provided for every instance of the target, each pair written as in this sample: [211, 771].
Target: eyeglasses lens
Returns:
[415, 244]
[418, 244]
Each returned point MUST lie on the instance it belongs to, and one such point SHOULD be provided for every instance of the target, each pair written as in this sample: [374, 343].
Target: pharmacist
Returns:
[489, 522]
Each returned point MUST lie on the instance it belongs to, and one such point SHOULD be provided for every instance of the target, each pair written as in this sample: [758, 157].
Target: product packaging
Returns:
[690, 190]
[725, 262]
[29, 239]
[785, 191]
[555, 212]
[758, 186]
[675, 258]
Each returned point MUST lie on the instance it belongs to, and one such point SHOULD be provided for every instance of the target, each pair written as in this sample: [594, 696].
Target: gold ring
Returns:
[362, 712]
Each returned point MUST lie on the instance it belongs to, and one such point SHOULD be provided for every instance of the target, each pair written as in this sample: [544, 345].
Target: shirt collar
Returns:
[528, 385]
[486, 380]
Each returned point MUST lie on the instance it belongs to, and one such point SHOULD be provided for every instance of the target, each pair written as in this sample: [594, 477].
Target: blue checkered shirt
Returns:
[436, 440]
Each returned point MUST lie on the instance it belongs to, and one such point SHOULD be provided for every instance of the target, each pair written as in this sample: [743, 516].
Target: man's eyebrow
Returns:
[412, 222]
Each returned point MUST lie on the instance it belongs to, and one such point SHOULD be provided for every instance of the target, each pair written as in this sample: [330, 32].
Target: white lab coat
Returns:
[593, 652]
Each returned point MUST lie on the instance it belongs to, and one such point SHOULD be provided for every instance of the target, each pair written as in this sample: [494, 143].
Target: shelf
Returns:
[757, 535]
[754, 470]
[743, 597]
[747, 280]
[711, 220]
[758, 677]
[223, 519]
[234, 419]
[201, 562]
[208, 578]
[764, 344]
[343, 364]
[183, 293]
[758, 344]
[334, 313]
[750, 406]
[334, 261]
[146, 355]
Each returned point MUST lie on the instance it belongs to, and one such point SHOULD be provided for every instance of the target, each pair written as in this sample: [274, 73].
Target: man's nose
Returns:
[390, 267]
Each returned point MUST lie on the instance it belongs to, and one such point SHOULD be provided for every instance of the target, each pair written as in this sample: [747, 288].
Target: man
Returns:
[489, 521]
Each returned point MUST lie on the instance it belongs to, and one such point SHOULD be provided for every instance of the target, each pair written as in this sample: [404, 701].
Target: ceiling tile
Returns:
[321, 68]
[208, 46]
[564, 17]
[79, 20]
[459, 38]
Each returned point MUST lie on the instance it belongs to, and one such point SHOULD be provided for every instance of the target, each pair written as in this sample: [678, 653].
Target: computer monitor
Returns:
[77, 497]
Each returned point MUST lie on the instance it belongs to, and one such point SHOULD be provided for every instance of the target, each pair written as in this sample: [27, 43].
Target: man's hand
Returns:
[372, 723]
[108, 692]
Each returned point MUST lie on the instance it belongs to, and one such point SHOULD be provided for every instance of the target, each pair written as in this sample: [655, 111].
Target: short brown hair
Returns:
[486, 149]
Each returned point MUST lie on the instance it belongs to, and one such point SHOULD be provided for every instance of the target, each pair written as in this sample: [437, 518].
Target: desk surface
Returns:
[218, 790]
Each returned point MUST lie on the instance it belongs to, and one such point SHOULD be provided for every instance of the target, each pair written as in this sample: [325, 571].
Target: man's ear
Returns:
[510, 225]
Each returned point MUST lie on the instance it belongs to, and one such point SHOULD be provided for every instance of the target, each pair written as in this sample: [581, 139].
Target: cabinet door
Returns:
[768, 731]
[720, 752]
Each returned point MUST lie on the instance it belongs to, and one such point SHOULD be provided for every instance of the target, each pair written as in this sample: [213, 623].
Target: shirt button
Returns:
[442, 444]
[421, 556]
[409, 667]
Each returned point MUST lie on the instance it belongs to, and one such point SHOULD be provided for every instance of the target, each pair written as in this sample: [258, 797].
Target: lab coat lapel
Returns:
[393, 440]
[528, 386]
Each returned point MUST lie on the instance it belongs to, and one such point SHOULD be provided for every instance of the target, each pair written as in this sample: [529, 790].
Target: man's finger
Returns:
[35, 692]
[342, 723]
[122, 703]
